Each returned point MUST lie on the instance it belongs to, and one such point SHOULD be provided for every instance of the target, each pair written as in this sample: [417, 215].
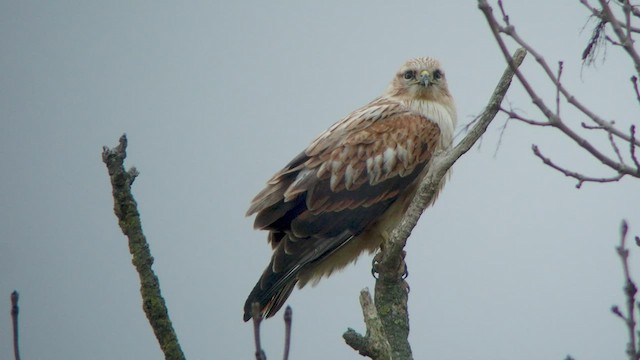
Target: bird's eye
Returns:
[437, 75]
[409, 74]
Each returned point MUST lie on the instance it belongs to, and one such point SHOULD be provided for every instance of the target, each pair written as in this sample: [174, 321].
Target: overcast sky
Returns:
[512, 261]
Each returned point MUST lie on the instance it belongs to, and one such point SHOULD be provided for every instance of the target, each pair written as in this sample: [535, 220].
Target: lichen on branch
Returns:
[126, 210]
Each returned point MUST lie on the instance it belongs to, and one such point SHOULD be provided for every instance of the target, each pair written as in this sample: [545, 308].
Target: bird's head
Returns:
[420, 79]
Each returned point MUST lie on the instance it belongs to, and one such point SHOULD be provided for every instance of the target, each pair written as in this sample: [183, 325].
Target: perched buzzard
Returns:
[345, 192]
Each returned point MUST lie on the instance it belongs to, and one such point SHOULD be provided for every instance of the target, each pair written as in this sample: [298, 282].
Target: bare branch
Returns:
[391, 288]
[611, 41]
[630, 291]
[257, 319]
[503, 130]
[287, 332]
[14, 320]
[374, 344]
[627, 16]
[510, 31]
[617, 312]
[125, 208]
[391, 291]
[581, 178]
[615, 148]
[505, 17]
[441, 163]
[625, 41]
[632, 147]
[560, 65]
[592, 127]
[515, 116]
[634, 81]
[635, 11]
[555, 120]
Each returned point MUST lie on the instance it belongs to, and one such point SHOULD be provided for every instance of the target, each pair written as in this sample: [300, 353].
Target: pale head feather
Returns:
[431, 99]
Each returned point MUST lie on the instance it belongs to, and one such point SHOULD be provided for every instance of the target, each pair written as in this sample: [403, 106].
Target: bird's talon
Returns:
[374, 265]
[405, 273]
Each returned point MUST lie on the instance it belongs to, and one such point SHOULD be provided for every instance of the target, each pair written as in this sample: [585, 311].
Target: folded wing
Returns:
[335, 189]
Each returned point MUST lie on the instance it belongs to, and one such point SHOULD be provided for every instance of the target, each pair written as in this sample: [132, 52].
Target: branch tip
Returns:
[287, 331]
[14, 320]
[125, 208]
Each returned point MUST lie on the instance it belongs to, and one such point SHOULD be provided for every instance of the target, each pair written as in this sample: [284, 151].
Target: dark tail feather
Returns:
[271, 292]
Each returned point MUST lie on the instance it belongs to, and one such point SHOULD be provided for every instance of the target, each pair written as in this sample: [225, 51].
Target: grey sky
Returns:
[512, 261]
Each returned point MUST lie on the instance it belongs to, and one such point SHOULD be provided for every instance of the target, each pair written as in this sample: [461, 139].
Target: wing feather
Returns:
[342, 183]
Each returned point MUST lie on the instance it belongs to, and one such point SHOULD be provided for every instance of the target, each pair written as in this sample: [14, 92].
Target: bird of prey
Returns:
[346, 192]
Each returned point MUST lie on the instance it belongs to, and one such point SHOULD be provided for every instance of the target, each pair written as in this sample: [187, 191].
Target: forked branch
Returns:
[553, 118]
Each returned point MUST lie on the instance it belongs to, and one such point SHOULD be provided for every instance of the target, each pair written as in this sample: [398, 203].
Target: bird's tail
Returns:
[271, 292]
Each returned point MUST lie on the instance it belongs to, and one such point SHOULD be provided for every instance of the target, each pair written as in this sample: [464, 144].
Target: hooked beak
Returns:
[425, 78]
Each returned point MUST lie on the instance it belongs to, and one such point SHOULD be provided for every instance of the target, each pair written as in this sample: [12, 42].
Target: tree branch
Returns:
[257, 319]
[391, 291]
[287, 331]
[125, 208]
[511, 32]
[14, 319]
[581, 178]
[374, 344]
[630, 291]
[625, 41]
[554, 119]
[439, 166]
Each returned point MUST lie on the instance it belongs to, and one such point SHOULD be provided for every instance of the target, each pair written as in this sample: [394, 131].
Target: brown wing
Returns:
[333, 190]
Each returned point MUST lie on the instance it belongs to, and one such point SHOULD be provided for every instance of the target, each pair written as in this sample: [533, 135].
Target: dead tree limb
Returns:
[125, 208]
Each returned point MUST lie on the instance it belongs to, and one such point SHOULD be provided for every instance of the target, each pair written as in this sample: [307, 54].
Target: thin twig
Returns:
[510, 31]
[581, 178]
[616, 150]
[553, 119]
[287, 331]
[14, 319]
[626, 8]
[592, 127]
[560, 65]
[634, 81]
[630, 291]
[503, 130]
[612, 42]
[632, 149]
[635, 11]
[257, 319]
[126, 210]
[505, 17]
[515, 116]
